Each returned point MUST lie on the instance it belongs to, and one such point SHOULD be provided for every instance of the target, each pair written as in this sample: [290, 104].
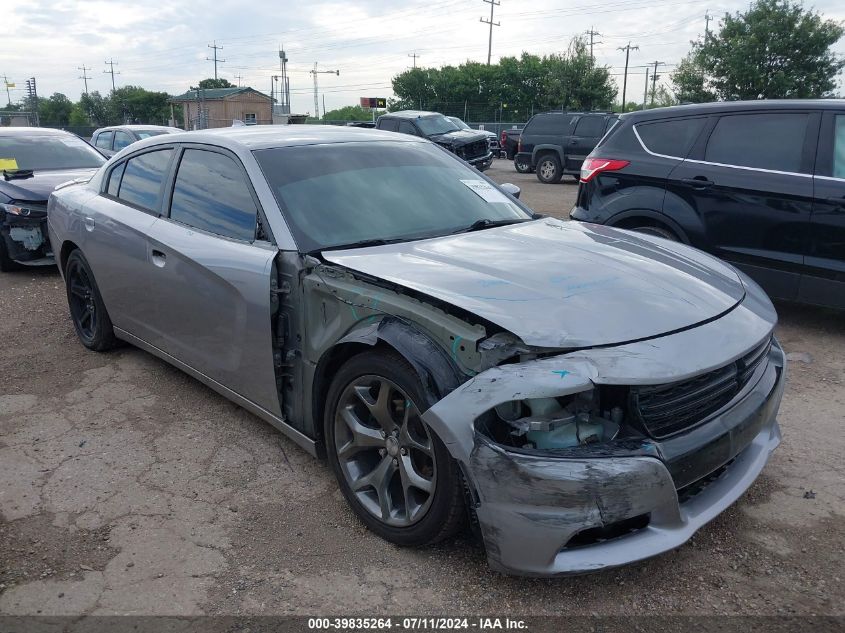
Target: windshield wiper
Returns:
[359, 244]
[487, 223]
[14, 174]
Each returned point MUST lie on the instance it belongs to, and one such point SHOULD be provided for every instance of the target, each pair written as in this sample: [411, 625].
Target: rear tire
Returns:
[659, 231]
[549, 170]
[394, 472]
[87, 310]
[521, 166]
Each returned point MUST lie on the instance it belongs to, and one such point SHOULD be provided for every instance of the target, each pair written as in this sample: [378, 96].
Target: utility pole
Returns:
[316, 72]
[592, 33]
[239, 77]
[493, 4]
[284, 90]
[214, 59]
[645, 91]
[414, 55]
[707, 18]
[654, 78]
[32, 94]
[85, 76]
[8, 85]
[111, 64]
[627, 50]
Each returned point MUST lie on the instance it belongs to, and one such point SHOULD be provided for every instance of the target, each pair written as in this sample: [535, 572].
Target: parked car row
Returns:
[432, 336]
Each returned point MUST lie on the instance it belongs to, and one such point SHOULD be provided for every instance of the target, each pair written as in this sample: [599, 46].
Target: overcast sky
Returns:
[165, 47]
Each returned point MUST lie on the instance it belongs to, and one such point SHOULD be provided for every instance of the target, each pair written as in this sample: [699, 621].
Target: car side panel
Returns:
[212, 298]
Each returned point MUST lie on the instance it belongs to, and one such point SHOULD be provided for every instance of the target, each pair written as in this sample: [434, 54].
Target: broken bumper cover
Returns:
[539, 514]
[25, 239]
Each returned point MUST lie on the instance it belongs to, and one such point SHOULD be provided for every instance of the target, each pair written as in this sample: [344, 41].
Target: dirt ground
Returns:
[127, 487]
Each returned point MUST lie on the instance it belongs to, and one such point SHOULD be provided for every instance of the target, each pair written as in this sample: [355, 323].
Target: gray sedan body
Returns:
[537, 315]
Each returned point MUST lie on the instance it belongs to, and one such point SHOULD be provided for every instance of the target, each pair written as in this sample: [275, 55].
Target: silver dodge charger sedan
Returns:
[584, 397]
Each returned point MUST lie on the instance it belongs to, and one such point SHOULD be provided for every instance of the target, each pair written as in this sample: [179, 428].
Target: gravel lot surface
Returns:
[127, 487]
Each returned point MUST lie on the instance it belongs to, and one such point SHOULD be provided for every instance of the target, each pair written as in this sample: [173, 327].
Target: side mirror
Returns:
[511, 189]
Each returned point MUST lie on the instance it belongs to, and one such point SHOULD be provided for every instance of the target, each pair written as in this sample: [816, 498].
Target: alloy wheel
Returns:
[83, 307]
[547, 170]
[385, 451]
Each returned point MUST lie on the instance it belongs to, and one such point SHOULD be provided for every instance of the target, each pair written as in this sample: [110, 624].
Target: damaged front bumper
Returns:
[25, 239]
[545, 515]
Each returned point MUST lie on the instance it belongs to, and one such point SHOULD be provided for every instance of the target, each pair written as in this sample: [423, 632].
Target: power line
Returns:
[627, 50]
[493, 4]
[215, 60]
[84, 76]
[111, 64]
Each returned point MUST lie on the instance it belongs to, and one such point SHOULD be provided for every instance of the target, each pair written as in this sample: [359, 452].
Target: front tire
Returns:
[521, 165]
[549, 170]
[87, 310]
[392, 469]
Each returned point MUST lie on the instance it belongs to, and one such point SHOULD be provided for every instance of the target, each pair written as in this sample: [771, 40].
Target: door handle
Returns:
[698, 182]
[89, 223]
[159, 258]
[573, 141]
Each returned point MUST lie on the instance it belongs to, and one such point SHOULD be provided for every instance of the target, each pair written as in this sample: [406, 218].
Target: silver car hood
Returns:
[560, 284]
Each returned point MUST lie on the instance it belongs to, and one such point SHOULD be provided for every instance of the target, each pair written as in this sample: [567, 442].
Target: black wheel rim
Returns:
[83, 308]
[385, 451]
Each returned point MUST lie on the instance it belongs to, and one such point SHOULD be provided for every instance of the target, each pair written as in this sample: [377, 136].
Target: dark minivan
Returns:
[760, 184]
[556, 143]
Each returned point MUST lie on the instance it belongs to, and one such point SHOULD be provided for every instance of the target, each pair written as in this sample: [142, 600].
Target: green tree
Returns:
[78, 116]
[689, 83]
[776, 49]
[216, 83]
[348, 113]
[55, 110]
[134, 104]
[96, 108]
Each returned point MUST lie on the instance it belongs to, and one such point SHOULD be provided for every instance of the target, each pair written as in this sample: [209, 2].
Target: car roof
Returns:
[411, 114]
[716, 107]
[136, 127]
[267, 136]
[34, 131]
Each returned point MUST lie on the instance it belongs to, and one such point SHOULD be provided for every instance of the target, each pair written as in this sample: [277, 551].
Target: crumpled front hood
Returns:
[459, 137]
[41, 185]
[560, 284]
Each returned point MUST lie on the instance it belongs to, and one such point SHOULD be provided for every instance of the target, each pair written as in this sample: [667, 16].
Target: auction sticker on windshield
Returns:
[486, 191]
[8, 163]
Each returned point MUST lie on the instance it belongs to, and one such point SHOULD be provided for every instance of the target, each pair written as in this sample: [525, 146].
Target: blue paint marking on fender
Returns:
[562, 372]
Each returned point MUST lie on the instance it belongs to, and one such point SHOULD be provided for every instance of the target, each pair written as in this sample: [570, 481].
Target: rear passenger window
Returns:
[390, 125]
[549, 124]
[765, 141]
[114, 179]
[104, 140]
[589, 126]
[839, 147]
[210, 193]
[142, 178]
[670, 138]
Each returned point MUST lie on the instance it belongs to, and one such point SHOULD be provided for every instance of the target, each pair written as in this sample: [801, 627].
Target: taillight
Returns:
[592, 166]
[519, 146]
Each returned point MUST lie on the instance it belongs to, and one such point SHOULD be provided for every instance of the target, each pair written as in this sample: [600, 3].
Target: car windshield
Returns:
[345, 193]
[37, 152]
[142, 134]
[436, 125]
[459, 123]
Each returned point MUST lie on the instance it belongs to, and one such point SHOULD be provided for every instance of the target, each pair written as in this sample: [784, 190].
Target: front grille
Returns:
[473, 150]
[678, 406]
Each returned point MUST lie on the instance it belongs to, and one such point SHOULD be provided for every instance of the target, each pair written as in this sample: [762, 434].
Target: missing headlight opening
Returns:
[553, 423]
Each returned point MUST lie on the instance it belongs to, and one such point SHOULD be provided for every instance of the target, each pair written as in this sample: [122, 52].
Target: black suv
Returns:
[470, 145]
[760, 184]
[556, 143]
